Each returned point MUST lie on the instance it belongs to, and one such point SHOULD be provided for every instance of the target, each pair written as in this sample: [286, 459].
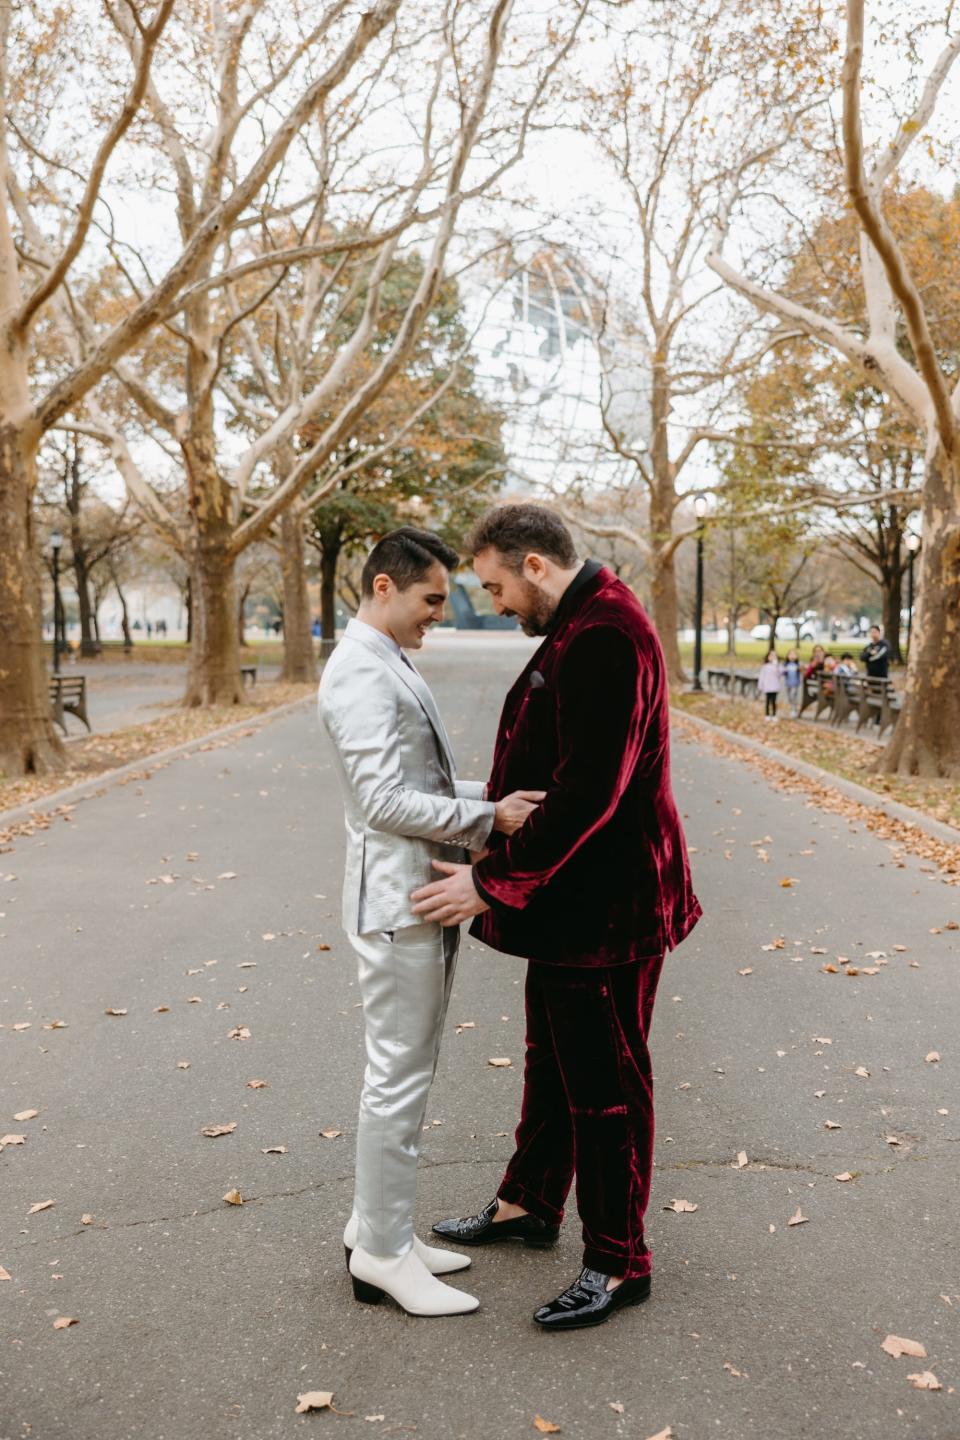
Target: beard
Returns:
[537, 610]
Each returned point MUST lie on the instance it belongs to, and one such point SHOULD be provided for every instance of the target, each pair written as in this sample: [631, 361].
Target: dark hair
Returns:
[516, 530]
[877, 627]
[847, 655]
[405, 555]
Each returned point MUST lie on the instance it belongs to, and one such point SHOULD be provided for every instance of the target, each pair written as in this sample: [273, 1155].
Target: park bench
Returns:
[68, 695]
[718, 679]
[877, 702]
[818, 690]
[745, 684]
[248, 673]
[117, 645]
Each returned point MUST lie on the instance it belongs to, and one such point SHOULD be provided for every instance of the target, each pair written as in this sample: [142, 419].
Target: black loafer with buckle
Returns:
[588, 1301]
[482, 1229]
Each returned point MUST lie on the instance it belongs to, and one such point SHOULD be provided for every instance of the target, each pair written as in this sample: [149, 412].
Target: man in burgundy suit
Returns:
[592, 889]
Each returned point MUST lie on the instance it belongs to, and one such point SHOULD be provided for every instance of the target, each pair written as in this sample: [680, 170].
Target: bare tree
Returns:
[895, 350]
[53, 352]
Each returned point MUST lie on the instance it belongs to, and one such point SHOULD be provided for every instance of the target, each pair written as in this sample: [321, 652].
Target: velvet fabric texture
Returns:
[588, 1104]
[598, 875]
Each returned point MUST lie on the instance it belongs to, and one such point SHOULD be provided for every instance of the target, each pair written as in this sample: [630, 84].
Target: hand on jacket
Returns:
[449, 901]
[514, 809]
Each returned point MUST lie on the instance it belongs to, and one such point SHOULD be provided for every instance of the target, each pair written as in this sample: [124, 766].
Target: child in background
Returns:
[768, 684]
[792, 675]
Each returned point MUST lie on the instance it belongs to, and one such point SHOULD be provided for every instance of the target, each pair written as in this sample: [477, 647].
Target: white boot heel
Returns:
[438, 1262]
[406, 1280]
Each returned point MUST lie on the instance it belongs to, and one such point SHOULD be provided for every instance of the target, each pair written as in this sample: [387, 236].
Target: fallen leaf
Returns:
[817, 950]
[26, 1114]
[275, 1150]
[22, 1025]
[183, 1064]
[615, 1405]
[323, 947]
[892, 1140]
[831, 1125]
[500, 1062]
[111, 1011]
[797, 1218]
[896, 1346]
[787, 882]
[331, 1134]
[829, 969]
[313, 1400]
[747, 970]
[843, 1176]
[924, 1380]
[546, 1427]
[742, 1159]
[227, 875]
[41, 1205]
[256, 1084]
[931, 1058]
[863, 1072]
[12, 1140]
[86, 1219]
[732, 1370]
[821, 1040]
[214, 1130]
[268, 936]
[233, 1197]
[63, 1322]
[681, 1207]
[5, 1274]
[239, 1032]
[665, 1434]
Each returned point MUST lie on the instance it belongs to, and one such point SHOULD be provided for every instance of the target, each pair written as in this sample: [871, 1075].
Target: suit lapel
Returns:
[414, 682]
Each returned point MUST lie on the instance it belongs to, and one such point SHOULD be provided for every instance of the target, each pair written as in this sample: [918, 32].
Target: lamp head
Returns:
[700, 506]
[56, 540]
[913, 542]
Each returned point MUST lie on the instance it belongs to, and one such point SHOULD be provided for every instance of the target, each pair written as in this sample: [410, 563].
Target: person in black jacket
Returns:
[876, 655]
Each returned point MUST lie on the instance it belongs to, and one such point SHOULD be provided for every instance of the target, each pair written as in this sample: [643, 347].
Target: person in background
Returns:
[792, 674]
[816, 662]
[768, 684]
[828, 672]
[876, 654]
[847, 665]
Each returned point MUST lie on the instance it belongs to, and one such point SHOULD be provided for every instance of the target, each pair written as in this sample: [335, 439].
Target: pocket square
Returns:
[537, 681]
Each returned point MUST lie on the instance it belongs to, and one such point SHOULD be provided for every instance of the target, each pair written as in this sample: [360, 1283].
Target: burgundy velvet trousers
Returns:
[588, 1106]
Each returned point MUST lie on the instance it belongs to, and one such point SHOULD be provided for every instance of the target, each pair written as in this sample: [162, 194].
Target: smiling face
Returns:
[521, 595]
[406, 615]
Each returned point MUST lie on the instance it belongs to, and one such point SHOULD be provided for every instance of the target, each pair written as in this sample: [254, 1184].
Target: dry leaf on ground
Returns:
[214, 1130]
[924, 1380]
[313, 1400]
[500, 1062]
[26, 1114]
[797, 1218]
[233, 1197]
[63, 1322]
[546, 1427]
[331, 1133]
[932, 1056]
[681, 1207]
[41, 1205]
[896, 1346]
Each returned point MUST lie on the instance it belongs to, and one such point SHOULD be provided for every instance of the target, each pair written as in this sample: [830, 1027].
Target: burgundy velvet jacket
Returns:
[598, 875]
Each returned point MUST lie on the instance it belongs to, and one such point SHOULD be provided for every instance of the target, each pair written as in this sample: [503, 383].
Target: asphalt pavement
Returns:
[203, 904]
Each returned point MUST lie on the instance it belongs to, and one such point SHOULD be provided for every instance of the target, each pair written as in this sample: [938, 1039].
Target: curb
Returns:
[937, 829]
[88, 789]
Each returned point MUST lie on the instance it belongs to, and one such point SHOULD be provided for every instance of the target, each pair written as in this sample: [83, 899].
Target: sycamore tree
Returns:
[894, 345]
[694, 106]
[159, 138]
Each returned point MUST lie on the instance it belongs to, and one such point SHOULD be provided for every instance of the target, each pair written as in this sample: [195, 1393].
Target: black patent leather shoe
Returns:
[483, 1230]
[588, 1301]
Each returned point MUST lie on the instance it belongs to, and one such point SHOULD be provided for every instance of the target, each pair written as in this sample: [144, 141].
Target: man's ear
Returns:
[383, 587]
[534, 566]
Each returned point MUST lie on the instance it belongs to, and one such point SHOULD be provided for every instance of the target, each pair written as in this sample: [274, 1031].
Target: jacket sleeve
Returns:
[363, 721]
[603, 705]
[470, 789]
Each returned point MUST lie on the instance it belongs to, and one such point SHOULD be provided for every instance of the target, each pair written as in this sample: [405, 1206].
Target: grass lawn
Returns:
[752, 653]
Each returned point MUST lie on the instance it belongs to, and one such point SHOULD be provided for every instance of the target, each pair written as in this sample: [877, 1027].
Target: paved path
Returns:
[130, 693]
[201, 1319]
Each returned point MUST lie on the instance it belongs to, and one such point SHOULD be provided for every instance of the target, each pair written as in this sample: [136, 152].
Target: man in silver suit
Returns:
[403, 808]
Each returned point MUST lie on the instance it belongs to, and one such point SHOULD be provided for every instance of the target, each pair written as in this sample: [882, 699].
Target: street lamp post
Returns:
[700, 510]
[913, 545]
[56, 540]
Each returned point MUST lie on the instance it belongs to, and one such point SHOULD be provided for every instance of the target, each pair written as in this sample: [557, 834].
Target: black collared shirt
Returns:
[588, 569]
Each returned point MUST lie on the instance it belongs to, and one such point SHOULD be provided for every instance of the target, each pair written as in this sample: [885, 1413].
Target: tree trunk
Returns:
[892, 605]
[299, 664]
[329, 558]
[663, 500]
[241, 625]
[213, 675]
[29, 745]
[88, 642]
[926, 741]
[188, 601]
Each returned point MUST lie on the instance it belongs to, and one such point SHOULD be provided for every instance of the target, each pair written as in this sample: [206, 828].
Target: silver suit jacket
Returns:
[403, 805]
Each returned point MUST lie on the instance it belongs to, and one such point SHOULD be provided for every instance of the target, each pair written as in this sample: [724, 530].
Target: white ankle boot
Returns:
[438, 1262]
[407, 1280]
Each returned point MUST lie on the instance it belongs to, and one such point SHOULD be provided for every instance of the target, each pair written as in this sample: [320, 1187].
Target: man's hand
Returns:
[514, 809]
[449, 901]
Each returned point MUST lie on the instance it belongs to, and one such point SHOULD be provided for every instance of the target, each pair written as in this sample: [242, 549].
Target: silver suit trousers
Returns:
[405, 979]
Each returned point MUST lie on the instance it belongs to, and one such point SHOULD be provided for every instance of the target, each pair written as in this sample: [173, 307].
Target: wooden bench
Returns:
[117, 645]
[718, 679]
[877, 702]
[248, 673]
[68, 696]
